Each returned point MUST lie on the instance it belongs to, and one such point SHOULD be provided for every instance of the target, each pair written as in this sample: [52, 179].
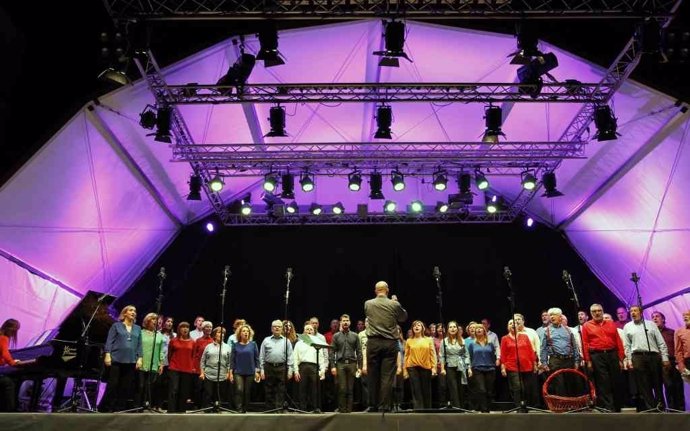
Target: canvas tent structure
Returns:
[101, 199]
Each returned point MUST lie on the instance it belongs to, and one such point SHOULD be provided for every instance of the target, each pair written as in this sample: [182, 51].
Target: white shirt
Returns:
[533, 338]
[196, 334]
[306, 353]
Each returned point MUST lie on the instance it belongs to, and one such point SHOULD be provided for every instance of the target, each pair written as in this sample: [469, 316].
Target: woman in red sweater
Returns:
[528, 365]
[8, 333]
[182, 368]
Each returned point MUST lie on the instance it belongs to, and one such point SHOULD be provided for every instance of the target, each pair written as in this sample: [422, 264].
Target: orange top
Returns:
[420, 352]
[5, 356]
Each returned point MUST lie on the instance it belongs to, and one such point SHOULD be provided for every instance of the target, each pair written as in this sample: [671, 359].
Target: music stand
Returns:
[78, 390]
[311, 341]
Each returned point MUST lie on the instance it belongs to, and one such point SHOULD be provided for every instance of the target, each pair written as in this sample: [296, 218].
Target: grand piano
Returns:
[62, 352]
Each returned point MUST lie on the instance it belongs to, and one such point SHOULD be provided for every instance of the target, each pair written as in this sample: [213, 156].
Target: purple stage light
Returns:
[210, 227]
[529, 222]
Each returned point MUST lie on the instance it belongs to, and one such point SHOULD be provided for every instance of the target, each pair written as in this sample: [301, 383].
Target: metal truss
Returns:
[163, 10]
[552, 92]
[149, 69]
[505, 158]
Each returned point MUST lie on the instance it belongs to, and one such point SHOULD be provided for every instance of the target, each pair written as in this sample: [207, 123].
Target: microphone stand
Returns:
[287, 401]
[522, 406]
[217, 407]
[591, 405]
[439, 299]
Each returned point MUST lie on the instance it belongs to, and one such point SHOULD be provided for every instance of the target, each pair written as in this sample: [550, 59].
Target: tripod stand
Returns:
[439, 299]
[522, 406]
[78, 389]
[217, 407]
[287, 401]
[150, 374]
[591, 405]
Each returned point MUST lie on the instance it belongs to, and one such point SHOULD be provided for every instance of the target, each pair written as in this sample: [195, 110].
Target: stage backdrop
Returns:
[336, 267]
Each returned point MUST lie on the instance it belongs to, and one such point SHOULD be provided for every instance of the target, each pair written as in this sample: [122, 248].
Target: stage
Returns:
[345, 422]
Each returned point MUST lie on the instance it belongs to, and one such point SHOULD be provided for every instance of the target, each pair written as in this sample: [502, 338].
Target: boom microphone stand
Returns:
[522, 407]
[591, 405]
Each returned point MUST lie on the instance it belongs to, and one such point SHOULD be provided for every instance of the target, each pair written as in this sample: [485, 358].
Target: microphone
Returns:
[288, 274]
[161, 274]
[226, 271]
[102, 297]
[566, 276]
[506, 272]
[436, 273]
[635, 278]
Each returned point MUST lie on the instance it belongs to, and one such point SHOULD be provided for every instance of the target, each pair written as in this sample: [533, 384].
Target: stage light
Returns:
[394, 38]
[315, 209]
[246, 208]
[268, 50]
[354, 181]
[270, 182]
[277, 121]
[237, 74]
[549, 182]
[441, 207]
[528, 180]
[529, 222]
[292, 208]
[338, 208]
[210, 227]
[527, 43]
[272, 200]
[288, 183]
[306, 182]
[389, 206]
[194, 188]
[375, 184]
[147, 117]
[480, 180]
[440, 181]
[384, 120]
[115, 76]
[398, 181]
[163, 119]
[465, 187]
[416, 206]
[606, 123]
[216, 184]
[493, 116]
[531, 74]
[491, 204]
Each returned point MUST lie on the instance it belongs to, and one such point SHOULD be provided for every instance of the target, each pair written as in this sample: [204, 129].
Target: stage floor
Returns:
[345, 422]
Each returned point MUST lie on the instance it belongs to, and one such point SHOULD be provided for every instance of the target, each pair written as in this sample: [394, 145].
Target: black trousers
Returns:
[564, 385]
[673, 386]
[382, 354]
[120, 387]
[243, 390]
[439, 386]
[420, 381]
[346, 383]
[606, 373]
[214, 391]
[146, 391]
[8, 394]
[275, 385]
[179, 389]
[647, 374]
[456, 390]
[309, 378]
[527, 386]
[481, 381]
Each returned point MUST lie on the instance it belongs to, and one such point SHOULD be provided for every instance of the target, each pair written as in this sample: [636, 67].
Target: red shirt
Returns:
[199, 346]
[329, 337]
[180, 355]
[524, 349]
[682, 346]
[5, 356]
[601, 336]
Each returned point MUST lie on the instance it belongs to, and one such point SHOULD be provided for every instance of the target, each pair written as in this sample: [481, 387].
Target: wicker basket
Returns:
[560, 404]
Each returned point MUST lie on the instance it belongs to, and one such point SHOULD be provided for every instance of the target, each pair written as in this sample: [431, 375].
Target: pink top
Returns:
[681, 340]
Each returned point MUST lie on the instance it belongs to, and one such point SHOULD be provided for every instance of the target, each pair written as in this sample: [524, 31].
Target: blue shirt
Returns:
[273, 351]
[244, 358]
[483, 357]
[124, 347]
[557, 340]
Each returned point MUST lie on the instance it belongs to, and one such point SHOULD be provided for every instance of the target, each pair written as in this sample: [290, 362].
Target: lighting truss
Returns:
[422, 158]
[162, 10]
[552, 92]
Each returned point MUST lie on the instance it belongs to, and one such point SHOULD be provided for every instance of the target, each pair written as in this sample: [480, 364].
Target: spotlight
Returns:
[268, 50]
[292, 208]
[375, 184]
[237, 74]
[354, 181]
[441, 207]
[384, 120]
[460, 200]
[416, 206]
[465, 187]
[210, 227]
[440, 181]
[527, 43]
[246, 208]
[315, 209]
[389, 206]
[194, 188]
[529, 222]
[606, 123]
[549, 181]
[531, 74]
[271, 200]
[398, 181]
[306, 182]
[494, 119]
[115, 76]
[163, 125]
[338, 208]
[288, 182]
[394, 37]
[528, 181]
[492, 204]
[216, 184]
[147, 118]
[270, 182]
[277, 121]
[480, 180]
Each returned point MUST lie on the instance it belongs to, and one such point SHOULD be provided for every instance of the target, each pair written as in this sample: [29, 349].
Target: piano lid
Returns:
[75, 322]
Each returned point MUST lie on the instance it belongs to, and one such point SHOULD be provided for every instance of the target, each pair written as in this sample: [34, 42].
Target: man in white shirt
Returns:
[308, 367]
[199, 331]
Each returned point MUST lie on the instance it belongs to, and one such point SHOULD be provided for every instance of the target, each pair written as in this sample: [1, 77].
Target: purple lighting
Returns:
[210, 227]
[529, 222]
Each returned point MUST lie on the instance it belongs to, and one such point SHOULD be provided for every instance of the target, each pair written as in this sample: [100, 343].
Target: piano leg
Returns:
[35, 393]
[61, 382]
